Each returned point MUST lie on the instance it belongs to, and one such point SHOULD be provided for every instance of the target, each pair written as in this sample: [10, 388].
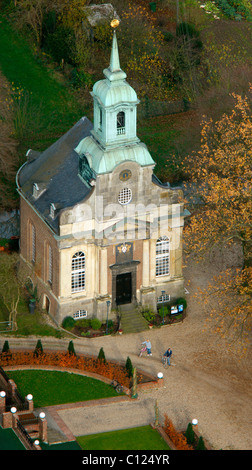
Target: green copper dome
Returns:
[105, 161]
[114, 89]
[111, 94]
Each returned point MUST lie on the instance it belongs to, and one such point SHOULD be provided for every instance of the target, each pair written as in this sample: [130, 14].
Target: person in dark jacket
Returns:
[168, 354]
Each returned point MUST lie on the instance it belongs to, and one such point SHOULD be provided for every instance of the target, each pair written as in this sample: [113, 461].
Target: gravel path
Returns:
[205, 382]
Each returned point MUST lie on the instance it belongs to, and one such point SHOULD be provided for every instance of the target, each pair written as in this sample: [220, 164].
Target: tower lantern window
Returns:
[120, 123]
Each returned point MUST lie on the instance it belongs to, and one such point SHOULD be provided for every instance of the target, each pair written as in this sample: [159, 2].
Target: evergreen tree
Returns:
[71, 349]
[201, 444]
[129, 367]
[190, 436]
[101, 356]
[38, 349]
[6, 348]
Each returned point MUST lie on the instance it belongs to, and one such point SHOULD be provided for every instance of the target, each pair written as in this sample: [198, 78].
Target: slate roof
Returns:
[56, 171]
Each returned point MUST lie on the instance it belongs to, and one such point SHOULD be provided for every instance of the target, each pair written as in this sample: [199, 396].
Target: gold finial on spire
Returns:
[114, 23]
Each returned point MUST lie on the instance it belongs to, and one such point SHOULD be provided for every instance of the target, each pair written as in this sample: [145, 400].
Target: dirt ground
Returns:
[206, 381]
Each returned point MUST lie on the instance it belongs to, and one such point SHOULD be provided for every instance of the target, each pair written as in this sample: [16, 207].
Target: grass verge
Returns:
[140, 438]
[59, 387]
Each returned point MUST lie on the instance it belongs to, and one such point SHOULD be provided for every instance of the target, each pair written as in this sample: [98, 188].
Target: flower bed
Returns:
[107, 369]
[89, 328]
[184, 440]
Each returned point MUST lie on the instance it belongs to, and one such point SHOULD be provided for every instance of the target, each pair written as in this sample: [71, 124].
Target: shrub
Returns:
[201, 444]
[190, 436]
[101, 356]
[166, 311]
[83, 323]
[129, 367]
[39, 348]
[71, 349]
[6, 348]
[60, 44]
[68, 323]
[182, 301]
[109, 369]
[148, 315]
[176, 437]
[95, 324]
[186, 29]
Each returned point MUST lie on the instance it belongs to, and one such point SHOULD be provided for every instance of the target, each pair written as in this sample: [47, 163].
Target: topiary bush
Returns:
[201, 444]
[95, 324]
[39, 348]
[101, 356]
[129, 367]
[189, 434]
[83, 323]
[6, 347]
[71, 349]
[68, 323]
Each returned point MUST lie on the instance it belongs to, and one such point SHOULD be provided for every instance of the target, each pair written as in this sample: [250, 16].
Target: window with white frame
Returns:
[78, 272]
[120, 123]
[163, 298]
[162, 256]
[50, 261]
[33, 243]
[80, 314]
[125, 196]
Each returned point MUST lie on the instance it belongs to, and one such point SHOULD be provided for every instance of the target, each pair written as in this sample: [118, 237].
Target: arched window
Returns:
[50, 264]
[31, 242]
[78, 272]
[162, 256]
[120, 123]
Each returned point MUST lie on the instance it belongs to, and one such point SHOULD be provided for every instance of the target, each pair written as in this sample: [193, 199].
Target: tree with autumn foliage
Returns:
[221, 173]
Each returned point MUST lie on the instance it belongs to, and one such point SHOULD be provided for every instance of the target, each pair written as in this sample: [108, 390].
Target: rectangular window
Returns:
[78, 272]
[50, 264]
[33, 244]
[163, 298]
[80, 314]
[162, 257]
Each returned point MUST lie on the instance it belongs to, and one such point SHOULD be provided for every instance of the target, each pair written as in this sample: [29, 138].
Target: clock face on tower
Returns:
[125, 175]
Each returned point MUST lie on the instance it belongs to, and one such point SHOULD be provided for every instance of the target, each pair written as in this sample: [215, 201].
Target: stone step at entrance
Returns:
[132, 320]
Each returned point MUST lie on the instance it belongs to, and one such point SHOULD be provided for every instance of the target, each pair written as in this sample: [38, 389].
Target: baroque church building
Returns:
[97, 226]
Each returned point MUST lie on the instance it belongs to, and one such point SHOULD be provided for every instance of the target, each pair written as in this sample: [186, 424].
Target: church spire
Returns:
[114, 57]
[114, 71]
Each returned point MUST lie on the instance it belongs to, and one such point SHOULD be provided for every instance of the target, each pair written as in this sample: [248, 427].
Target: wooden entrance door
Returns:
[123, 288]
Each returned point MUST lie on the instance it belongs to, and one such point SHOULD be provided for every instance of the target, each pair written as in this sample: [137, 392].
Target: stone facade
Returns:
[101, 227]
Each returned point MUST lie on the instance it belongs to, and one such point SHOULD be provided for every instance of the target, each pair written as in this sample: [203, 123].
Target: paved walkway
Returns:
[97, 416]
[207, 382]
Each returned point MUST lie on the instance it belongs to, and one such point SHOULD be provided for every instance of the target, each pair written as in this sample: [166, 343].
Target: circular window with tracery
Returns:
[125, 196]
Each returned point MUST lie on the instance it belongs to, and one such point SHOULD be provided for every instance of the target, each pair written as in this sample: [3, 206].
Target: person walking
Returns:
[168, 354]
[148, 346]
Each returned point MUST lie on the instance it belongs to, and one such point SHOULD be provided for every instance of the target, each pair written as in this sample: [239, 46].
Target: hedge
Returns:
[107, 369]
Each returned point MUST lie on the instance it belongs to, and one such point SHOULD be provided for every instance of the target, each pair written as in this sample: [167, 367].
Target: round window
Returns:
[125, 196]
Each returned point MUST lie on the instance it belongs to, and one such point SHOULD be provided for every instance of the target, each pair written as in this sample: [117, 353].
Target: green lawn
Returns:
[141, 438]
[54, 388]
[9, 440]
